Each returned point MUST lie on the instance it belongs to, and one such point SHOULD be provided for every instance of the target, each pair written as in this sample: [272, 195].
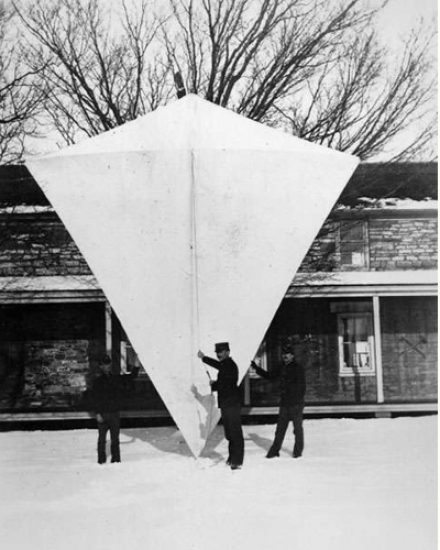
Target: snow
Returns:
[26, 209]
[361, 484]
[392, 204]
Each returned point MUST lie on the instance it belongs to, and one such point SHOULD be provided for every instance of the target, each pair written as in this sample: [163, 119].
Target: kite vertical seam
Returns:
[195, 317]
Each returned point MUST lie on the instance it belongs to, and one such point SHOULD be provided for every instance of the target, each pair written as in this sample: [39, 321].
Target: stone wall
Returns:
[37, 246]
[403, 244]
[55, 372]
[40, 245]
[322, 254]
[49, 354]
[391, 244]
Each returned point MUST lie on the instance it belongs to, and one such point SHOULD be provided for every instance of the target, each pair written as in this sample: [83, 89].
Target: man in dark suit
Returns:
[106, 398]
[229, 401]
[292, 381]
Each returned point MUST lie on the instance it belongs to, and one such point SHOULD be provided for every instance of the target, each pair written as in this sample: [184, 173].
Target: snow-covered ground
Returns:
[362, 484]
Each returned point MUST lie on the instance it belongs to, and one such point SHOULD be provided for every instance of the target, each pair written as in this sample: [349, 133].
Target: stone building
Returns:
[361, 312]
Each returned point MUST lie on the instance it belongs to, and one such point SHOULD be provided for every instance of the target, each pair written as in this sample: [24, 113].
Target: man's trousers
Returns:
[112, 422]
[286, 414]
[231, 417]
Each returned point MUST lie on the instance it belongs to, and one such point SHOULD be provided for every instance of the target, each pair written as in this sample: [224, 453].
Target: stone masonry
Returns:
[55, 372]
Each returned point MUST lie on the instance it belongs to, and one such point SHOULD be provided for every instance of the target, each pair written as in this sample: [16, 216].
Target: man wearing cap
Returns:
[293, 388]
[229, 401]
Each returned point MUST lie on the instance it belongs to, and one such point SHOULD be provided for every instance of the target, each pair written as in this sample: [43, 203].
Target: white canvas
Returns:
[194, 220]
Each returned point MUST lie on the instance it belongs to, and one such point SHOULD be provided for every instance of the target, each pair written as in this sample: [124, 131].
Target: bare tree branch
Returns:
[20, 100]
[314, 68]
[98, 66]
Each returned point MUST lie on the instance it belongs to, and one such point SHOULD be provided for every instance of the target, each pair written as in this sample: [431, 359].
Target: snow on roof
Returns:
[393, 203]
[368, 278]
[49, 284]
[364, 203]
[26, 209]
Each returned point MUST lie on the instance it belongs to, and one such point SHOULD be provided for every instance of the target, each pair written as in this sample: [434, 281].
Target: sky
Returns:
[395, 23]
[399, 16]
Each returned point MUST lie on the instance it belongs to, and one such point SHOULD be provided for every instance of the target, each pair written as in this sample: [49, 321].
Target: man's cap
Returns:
[287, 348]
[222, 346]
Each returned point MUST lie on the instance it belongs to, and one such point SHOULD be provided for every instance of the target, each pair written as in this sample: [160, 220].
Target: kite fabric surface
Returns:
[194, 220]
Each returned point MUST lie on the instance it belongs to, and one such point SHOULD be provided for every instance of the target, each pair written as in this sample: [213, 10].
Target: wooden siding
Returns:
[409, 348]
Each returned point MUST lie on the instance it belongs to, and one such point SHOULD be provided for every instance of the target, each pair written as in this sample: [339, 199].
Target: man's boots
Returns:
[272, 453]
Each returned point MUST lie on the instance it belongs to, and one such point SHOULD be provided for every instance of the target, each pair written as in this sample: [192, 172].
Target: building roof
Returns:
[409, 181]
[18, 187]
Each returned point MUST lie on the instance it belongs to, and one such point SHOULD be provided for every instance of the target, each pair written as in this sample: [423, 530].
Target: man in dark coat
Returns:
[293, 388]
[106, 397]
[229, 401]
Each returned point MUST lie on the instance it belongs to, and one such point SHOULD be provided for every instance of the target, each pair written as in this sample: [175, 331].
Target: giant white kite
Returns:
[194, 220]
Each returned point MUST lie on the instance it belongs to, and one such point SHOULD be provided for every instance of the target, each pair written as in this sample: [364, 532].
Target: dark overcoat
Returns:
[226, 384]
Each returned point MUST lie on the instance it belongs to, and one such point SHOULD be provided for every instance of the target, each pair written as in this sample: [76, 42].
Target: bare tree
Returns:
[313, 68]
[360, 104]
[100, 70]
[20, 100]
[251, 55]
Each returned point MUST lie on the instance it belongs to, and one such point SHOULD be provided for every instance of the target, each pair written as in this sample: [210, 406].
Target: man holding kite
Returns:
[229, 401]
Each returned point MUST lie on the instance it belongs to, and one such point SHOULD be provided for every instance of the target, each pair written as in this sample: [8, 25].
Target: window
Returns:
[356, 344]
[352, 243]
[129, 359]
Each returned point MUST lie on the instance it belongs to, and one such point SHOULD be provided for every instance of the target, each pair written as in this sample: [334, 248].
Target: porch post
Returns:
[378, 348]
[108, 329]
[247, 389]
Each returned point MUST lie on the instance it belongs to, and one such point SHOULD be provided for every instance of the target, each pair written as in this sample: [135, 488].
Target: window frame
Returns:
[349, 371]
[363, 241]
